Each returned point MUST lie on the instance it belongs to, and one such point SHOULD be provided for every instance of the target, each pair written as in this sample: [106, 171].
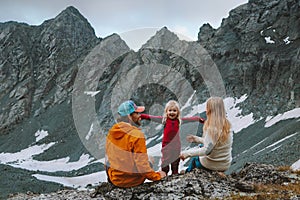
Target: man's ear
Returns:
[129, 117]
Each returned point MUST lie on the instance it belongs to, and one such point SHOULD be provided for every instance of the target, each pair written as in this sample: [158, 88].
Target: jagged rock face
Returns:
[39, 63]
[259, 42]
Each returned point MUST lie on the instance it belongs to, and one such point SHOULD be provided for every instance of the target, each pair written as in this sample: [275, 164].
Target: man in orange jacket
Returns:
[126, 153]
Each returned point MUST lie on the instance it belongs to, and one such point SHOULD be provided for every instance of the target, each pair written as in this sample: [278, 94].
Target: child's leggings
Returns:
[174, 167]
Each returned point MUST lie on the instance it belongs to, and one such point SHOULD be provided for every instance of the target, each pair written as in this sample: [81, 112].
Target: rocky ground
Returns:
[254, 181]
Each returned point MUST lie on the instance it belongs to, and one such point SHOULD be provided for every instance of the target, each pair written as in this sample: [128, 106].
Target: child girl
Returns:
[171, 145]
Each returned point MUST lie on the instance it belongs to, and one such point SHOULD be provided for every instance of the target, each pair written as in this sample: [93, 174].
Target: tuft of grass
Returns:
[297, 172]
[289, 187]
[270, 191]
[288, 169]
[284, 168]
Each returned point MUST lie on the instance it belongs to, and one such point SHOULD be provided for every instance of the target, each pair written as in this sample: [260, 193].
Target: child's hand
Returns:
[201, 120]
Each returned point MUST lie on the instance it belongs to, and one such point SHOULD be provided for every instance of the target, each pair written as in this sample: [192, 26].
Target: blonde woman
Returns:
[216, 141]
[171, 145]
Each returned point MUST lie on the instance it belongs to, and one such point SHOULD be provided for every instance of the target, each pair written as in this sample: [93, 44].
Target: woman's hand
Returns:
[190, 138]
[182, 157]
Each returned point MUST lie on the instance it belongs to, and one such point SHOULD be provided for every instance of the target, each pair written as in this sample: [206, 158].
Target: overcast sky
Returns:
[118, 16]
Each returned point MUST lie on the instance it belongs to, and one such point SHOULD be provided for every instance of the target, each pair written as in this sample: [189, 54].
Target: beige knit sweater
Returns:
[213, 155]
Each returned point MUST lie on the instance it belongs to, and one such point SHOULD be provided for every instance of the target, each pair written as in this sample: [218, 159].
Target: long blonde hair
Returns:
[217, 125]
[169, 104]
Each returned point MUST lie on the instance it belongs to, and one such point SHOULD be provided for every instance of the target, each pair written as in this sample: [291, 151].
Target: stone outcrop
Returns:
[253, 181]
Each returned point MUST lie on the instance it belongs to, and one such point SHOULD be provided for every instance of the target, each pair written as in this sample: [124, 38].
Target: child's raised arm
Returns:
[192, 119]
[153, 118]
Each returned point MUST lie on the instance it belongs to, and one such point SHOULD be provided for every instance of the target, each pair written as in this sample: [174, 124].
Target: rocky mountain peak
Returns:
[260, 40]
[71, 14]
[165, 32]
[70, 30]
[114, 36]
[71, 10]
[33, 59]
[253, 21]
[163, 38]
[206, 32]
[70, 18]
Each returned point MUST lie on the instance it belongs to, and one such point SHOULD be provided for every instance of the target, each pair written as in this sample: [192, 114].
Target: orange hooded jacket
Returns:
[127, 156]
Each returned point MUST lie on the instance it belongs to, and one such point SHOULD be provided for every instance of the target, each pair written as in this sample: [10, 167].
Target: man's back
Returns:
[127, 155]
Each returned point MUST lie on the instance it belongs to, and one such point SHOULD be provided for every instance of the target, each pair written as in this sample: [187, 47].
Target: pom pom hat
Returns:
[128, 107]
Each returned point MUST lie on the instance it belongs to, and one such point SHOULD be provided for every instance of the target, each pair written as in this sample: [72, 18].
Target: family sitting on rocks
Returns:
[127, 161]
